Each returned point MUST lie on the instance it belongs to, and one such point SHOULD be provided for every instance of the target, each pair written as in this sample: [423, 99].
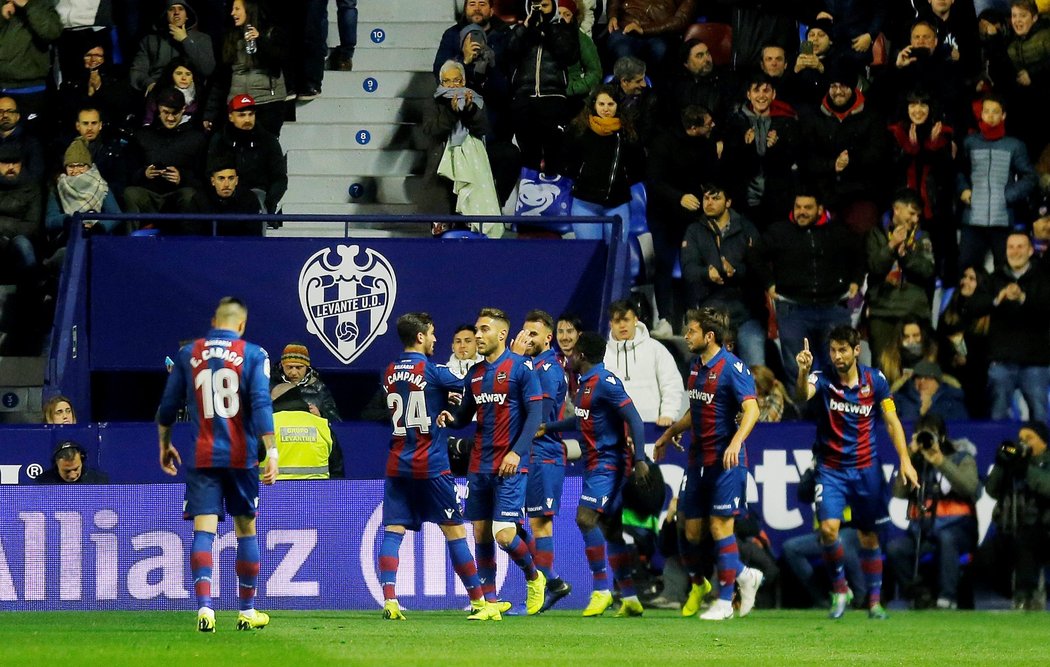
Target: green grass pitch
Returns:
[767, 639]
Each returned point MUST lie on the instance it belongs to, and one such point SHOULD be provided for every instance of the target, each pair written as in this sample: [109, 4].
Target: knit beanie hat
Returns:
[77, 153]
[570, 5]
[296, 352]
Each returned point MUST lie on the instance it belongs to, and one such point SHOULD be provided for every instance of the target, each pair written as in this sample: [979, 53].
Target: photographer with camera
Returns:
[942, 518]
[1020, 482]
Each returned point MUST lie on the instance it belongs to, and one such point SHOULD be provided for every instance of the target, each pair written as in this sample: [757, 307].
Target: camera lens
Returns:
[925, 439]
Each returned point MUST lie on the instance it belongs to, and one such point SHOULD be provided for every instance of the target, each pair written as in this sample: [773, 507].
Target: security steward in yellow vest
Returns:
[307, 447]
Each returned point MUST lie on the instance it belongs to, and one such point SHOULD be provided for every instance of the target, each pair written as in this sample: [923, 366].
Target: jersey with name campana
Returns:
[846, 424]
[499, 392]
[552, 382]
[599, 397]
[225, 381]
[717, 390]
[416, 393]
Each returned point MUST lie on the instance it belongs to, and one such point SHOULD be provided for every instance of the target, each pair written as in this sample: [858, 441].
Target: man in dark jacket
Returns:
[698, 82]
[259, 160]
[648, 29]
[815, 264]
[69, 466]
[225, 196]
[167, 171]
[21, 216]
[1019, 332]
[452, 47]
[927, 392]
[26, 30]
[176, 36]
[13, 134]
[856, 23]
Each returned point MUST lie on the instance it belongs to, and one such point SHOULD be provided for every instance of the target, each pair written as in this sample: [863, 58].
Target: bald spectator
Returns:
[15, 136]
[175, 35]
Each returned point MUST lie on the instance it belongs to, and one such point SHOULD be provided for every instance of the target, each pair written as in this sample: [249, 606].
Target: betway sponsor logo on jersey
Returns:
[485, 397]
[582, 413]
[849, 408]
[703, 396]
[347, 303]
[408, 376]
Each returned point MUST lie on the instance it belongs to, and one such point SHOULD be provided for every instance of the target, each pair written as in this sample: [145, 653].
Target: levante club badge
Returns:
[347, 295]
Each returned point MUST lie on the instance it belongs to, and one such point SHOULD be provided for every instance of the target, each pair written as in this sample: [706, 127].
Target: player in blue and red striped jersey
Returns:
[547, 456]
[848, 470]
[419, 485]
[720, 389]
[602, 411]
[505, 395]
[226, 382]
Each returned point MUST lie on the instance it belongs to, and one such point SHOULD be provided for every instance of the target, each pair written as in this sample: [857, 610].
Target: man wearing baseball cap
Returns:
[69, 466]
[257, 154]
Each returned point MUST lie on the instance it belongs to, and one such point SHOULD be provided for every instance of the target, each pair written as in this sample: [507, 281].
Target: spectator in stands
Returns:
[856, 23]
[306, 445]
[69, 466]
[79, 189]
[720, 256]
[846, 151]
[108, 148]
[464, 350]
[634, 97]
[83, 22]
[648, 371]
[540, 52]
[900, 270]
[59, 410]
[475, 12]
[761, 147]
[295, 368]
[942, 514]
[225, 196]
[260, 161]
[95, 84]
[1041, 240]
[29, 26]
[568, 332]
[1020, 482]
[179, 74]
[341, 59]
[253, 53]
[604, 159]
[308, 37]
[15, 136]
[995, 178]
[929, 391]
[699, 83]
[963, 338]
[773, 62]
[649, 29]
[912, 344]
[586, 73]
[454, 112]
[923, 149]
[815, 266]
[926, 64]
[175, 35]
[20, 217]
[1024, 73]
[682, 157]
[1019, 332]
[808, 81]
[774, 402]
[166, 173]
[956, 26]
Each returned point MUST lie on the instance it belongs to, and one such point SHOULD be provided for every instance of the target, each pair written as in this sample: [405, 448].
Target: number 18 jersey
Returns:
[416, 393]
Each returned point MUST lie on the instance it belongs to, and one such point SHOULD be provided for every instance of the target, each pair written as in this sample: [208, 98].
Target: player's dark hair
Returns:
[909, 197]
[411, 325]
[591, 346]
[464, 327]
[620, 308]
[845, 334]
[541, 316]
[714, 320]
[496, 314]
[572, 319]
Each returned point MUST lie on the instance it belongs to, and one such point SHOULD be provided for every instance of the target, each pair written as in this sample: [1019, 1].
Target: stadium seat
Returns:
[717, 36]
[462, 234]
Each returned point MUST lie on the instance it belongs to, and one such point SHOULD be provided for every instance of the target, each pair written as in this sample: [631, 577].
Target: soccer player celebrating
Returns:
[720, 387]
[848, 470]
[419, 484]
[602, 409]
[505, 395]
[547, 457]
[227, 379]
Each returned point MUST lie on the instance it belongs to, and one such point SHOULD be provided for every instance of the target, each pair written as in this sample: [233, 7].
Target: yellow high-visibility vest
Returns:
[304, 443]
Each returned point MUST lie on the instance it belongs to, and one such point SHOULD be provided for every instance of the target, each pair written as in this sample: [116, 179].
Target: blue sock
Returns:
[543, 554]
[486, 553]
[871, 565]
[388, 561]
[729, 566]
[201, 565]
[247, 570]
[594, 547]
[522, 557]
[835, 559]
[620, 562]
[463, 564]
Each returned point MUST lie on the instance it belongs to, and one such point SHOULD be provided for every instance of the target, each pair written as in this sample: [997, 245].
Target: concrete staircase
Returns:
[355, 149]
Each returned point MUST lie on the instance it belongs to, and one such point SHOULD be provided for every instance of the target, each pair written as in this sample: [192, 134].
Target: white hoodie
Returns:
[649, 374]
[460, 367]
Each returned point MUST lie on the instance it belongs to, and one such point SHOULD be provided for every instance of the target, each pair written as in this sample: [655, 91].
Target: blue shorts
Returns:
[603, 491]
[543, 492]
[208, 488]
[494, 498]
[712, 491]
[409, 502]
[863, 489]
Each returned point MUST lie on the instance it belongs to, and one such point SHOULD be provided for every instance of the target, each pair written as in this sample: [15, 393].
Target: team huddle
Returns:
[515, 394]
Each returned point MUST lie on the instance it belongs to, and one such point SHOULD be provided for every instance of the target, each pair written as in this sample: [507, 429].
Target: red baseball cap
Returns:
[241, 102]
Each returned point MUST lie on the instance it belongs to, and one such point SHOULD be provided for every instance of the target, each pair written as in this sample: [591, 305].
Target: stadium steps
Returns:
[355, 149]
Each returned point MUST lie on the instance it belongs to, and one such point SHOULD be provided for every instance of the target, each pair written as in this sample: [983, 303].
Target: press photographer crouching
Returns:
[1020, 482]
[942, 517]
